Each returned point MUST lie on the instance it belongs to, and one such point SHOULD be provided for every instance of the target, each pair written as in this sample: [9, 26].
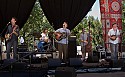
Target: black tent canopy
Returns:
[56, 11]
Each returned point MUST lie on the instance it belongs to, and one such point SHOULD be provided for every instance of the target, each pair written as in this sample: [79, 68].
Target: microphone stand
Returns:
[53, 40]
[1, 39]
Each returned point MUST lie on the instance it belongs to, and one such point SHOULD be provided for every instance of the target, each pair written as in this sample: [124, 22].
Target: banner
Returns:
[111, 11]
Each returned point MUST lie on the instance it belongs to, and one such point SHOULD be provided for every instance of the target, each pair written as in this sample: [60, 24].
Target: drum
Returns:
[40, 46]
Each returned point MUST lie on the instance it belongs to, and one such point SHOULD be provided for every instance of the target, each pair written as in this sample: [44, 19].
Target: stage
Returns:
[110, 74]
[48, 64]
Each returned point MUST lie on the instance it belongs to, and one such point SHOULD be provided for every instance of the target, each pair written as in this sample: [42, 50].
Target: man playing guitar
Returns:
[63, 33]
[11, 35]
[114, 39]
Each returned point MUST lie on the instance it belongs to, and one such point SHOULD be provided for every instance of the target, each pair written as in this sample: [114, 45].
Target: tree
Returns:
[35, 23]
[95, 29]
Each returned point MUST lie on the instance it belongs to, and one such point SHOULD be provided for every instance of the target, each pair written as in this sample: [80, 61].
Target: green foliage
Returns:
[95, 30]
[35, 23]
[123, 21]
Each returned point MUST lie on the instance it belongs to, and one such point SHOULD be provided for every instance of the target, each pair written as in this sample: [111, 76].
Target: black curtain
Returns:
[72, 11]
[20, 9]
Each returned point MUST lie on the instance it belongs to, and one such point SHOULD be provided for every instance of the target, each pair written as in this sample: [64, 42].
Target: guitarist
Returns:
[12, 34]
[114, 39]
[63, 42]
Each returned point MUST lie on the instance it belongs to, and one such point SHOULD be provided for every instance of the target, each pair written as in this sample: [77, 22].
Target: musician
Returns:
[84, 42]
[114, 39]
[44, 35]
[12, 34]
[63, 41]
[44, 39]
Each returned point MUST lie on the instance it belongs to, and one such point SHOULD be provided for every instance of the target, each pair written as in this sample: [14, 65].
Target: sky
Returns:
[95, 10]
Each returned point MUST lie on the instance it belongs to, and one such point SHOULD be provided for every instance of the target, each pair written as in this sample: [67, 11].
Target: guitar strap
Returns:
[116, 32]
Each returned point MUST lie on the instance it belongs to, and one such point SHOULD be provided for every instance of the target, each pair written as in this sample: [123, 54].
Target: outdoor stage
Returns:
[110, 74]
[43, 64]
[54, 67]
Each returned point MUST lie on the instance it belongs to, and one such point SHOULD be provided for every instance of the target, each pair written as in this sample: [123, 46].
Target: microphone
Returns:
[8, 23]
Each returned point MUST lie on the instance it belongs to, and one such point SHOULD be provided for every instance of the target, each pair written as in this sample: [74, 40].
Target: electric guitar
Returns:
[8, 36]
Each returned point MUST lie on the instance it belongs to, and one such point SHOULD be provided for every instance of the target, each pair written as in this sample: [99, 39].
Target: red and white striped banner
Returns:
[111, 11]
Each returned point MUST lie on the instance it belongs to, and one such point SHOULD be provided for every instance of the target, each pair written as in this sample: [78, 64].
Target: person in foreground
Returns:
[11, 36]
[114, 40]
[62, 35]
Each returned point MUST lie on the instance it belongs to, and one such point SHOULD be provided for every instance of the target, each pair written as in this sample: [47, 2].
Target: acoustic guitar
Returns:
[59, 36]
[113, 37]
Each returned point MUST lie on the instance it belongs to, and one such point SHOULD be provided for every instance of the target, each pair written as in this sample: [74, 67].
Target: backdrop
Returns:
[72, 11]
[56, 11]
[18, 8]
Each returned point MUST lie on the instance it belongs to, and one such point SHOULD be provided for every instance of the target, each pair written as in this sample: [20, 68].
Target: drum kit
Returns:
[45, 45]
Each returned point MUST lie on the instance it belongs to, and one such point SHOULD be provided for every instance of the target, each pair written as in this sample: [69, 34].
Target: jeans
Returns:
[9, 45]
[114, 51]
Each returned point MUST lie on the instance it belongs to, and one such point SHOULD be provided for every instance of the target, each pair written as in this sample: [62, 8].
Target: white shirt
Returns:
[112, 32]
[44, 36]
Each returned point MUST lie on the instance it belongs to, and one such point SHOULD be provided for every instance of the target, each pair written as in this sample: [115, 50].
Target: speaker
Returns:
[7, 63]
[92, 58]
[72, 48]
[54, 62]
[76, 62]
[65, 72]
[19, 66]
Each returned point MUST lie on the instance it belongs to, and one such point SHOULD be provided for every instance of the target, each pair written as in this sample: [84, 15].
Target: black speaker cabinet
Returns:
[65, 72]
[54, 62]
[72, 48]
[92, 58]
[76, 62]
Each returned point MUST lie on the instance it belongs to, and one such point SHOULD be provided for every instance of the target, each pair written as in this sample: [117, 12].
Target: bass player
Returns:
[84, 42]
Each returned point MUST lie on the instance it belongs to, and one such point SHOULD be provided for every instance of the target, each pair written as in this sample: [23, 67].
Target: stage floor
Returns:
[110, 74]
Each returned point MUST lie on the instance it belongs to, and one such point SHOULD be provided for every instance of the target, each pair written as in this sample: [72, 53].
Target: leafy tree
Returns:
[36, 22]
[95, 30]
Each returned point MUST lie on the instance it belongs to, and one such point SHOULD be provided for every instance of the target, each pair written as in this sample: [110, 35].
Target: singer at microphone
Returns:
[11, 36]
